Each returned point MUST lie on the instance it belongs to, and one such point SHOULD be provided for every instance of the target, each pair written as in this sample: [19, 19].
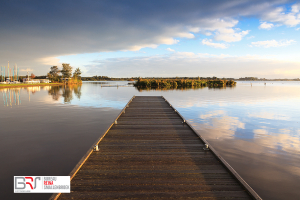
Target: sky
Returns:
[157, 38]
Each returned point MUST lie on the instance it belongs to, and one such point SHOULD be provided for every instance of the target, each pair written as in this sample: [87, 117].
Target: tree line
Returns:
[56, 74]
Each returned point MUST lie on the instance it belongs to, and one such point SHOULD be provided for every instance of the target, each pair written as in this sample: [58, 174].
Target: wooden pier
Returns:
[151, 152]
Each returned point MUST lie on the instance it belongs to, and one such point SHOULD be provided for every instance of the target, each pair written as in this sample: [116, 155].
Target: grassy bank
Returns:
[181, 83]
[69, 82]
[28, 85]
[74, 81]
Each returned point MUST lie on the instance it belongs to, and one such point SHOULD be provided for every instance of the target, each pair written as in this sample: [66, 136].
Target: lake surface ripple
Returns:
[255, 126]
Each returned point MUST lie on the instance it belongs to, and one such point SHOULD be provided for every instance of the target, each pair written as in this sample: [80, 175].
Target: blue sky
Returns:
[154, 38]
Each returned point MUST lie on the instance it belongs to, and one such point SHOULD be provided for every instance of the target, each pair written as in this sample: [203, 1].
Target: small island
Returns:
[182, 83]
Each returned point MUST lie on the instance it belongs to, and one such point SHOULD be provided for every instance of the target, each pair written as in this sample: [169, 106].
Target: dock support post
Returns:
[96, 148]
[206, 148]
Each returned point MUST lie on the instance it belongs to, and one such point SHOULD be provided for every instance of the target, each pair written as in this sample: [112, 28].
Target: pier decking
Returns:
[150, 152]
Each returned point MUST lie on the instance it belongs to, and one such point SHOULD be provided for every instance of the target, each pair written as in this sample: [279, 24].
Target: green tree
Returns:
[53, 74]
[77, 73]
[66, 70]
[54, 71]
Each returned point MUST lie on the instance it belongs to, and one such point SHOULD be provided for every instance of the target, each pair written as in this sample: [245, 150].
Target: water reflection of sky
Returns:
[254, 121]
[267, 113]
[272, 121]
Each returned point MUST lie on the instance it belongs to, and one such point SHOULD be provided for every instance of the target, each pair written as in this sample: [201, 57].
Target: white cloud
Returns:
[115, 26]
[169, 49]
[28, 69]
[207, 55]
[297, 29]
[250, 37]
[168, 41]
[266, 25]
[186, 35]
[53, 61]
[139, 47]
[222, 29]
[229, 35]
[160, 40]
[272, 43]
[191, 64]
[209, 42]
[185, 54]
[287, 73]
[279, 15]
[207, 33]
[295, 8]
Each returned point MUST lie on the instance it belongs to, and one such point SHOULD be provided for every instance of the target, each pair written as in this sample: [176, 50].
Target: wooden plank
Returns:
[157, 195]
[151, 153]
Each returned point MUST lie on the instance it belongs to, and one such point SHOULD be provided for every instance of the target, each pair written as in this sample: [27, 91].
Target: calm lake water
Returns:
[46, 130]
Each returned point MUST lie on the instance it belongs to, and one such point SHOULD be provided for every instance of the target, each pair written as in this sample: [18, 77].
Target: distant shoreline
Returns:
[268, 80]
[185, 78]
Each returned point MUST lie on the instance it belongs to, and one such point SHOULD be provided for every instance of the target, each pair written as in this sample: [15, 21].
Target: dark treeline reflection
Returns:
[140, 89]
[66, 91]
[221, 87]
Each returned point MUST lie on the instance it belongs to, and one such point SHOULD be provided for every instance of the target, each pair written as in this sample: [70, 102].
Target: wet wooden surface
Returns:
[151, 154]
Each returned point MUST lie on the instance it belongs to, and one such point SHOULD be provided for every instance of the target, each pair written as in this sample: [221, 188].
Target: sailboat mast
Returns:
[8, 74]
[17, 73]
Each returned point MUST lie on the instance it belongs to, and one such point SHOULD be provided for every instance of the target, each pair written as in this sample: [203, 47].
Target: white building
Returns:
[44, 80]
[30, 81]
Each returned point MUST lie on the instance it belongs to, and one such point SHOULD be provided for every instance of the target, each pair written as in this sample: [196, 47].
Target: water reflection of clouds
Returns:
[220, 119]
[268, 115]
[218, 124]
[224, 124]
[260, 132]
[226, 127]
[212, 114]
[279, 141]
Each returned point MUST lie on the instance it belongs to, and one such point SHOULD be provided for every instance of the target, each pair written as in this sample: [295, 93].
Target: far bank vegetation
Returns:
[64, 75]
[182, 83]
